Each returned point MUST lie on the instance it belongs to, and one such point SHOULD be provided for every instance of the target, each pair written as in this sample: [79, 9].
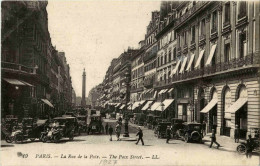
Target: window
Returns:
[227, 12]
[174, 53]
[214, 22]
[242, 9]
[242, 44]
[169, 55]
[165, 58]
[193, 34]
[161, 60]
[202, 27]
[227, 52]
[185, 37]
[158, 61]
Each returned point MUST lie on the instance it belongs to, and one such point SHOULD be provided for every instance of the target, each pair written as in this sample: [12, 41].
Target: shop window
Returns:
[227, 13]
[227, 52]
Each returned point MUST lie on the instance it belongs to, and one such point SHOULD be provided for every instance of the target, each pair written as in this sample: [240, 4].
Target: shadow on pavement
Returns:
[7, 145]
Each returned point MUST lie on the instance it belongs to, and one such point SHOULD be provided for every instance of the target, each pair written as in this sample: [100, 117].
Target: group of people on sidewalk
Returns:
[110, 130]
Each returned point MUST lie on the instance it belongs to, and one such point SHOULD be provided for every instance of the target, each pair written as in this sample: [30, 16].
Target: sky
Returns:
[92, 33]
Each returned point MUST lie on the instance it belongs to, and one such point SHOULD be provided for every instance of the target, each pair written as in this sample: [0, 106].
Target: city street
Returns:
[100, 151]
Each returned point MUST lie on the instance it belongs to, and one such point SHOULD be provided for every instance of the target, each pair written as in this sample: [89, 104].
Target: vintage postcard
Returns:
[130, 83]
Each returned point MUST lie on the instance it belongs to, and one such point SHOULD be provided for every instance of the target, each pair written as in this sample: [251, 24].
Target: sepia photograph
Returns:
[130, 83]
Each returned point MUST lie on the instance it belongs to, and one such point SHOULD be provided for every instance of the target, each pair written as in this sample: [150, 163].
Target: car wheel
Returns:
[8, 139]
[241, 149]
[44, 138]
[186, 138]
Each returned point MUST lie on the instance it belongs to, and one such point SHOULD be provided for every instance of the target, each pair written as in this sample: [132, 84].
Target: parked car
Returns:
[61, 127]
[161, 129]
[176, 125]
[25, 132]
[82, 122]
[139, 118]
[95, 125]
[191, 132]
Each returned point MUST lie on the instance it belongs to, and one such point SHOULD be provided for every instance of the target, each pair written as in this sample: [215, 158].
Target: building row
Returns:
[199, 61]
[35, 78]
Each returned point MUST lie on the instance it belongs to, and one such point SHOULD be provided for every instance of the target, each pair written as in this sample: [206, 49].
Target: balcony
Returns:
[184, 18]
[14, 67]
[214, 33]
[235, 65]
[185, 49]
[226, 27]
[192, 45]
[148, 82]
[163, 83]
[134, 89]
[202, 39]
[242, 20]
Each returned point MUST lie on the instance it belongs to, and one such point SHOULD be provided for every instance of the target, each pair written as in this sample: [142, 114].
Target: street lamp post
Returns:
[162, 105]
[126, 134]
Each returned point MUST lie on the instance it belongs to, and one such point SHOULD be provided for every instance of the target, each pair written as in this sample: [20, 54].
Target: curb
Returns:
[220, 148]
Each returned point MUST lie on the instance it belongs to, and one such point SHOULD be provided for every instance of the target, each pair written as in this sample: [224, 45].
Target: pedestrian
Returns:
[213, 139]
[140, 136]
[236, 134]
[204, 124]
[249, 146]
[168, 134]
[118, 131]
[110, 131]
[106, 127]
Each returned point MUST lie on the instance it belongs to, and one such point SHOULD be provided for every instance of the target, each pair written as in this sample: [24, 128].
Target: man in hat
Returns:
[140, 136]
[118, 131]
[168, 134]
[236, 134]
[213, 139]
[249, 146]
[110, 131]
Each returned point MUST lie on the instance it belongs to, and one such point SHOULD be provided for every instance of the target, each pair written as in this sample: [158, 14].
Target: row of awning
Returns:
[184, 61]
[17, 82]
[231, 110]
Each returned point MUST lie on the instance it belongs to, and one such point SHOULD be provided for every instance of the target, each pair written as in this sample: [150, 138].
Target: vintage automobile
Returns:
[95, 125]
[255, 133]
[191, 131]
[139, 118]
[25, 132]
[61, 127]
[176, 125]
[10, 122]
[74, 120]
[149, 121]
[82, 122]
[161, 129]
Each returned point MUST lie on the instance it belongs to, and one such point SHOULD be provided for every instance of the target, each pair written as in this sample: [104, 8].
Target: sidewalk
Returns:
[226, 143]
